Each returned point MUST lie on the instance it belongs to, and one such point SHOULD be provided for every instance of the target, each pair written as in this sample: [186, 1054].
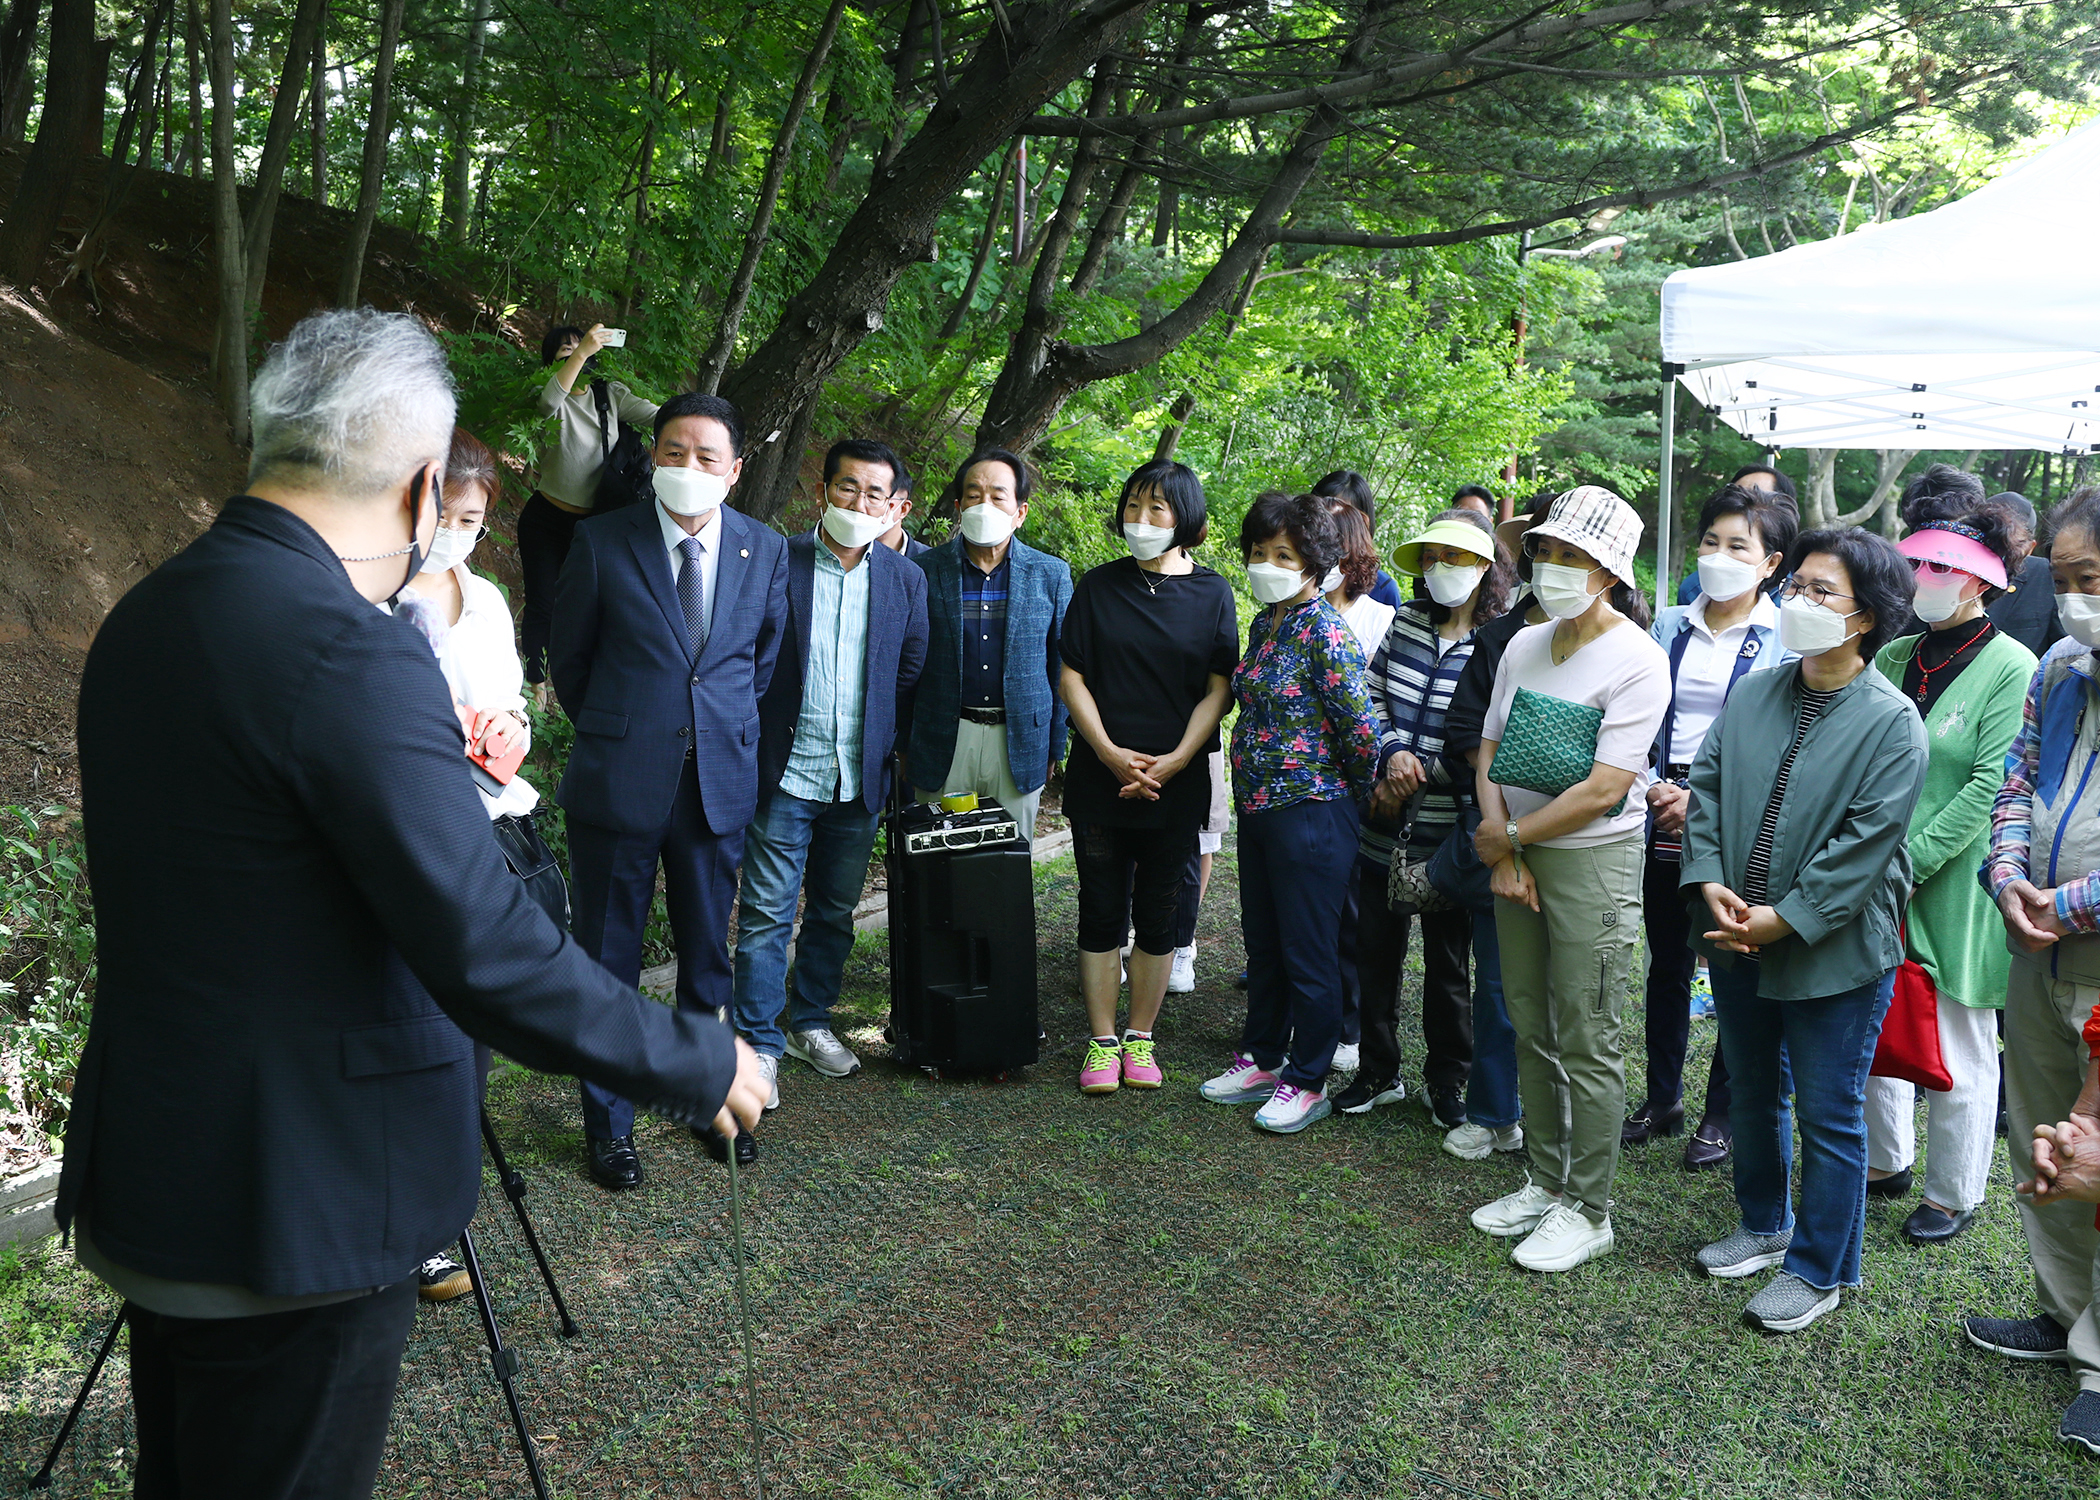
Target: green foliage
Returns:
[47, 965]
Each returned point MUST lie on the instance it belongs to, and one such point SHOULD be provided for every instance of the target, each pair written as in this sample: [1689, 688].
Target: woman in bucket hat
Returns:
[1562, 778]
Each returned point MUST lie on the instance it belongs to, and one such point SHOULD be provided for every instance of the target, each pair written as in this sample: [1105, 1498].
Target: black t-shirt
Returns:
[1147, 645]
[1940, 657]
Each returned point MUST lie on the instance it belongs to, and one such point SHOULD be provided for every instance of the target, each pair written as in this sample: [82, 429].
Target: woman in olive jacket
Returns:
[1801, 797]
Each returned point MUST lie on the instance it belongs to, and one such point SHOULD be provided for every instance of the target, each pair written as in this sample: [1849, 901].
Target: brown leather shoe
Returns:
[1709, 1147]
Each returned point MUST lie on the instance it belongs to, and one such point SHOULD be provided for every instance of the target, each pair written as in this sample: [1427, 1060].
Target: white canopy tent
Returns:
[1974, 326]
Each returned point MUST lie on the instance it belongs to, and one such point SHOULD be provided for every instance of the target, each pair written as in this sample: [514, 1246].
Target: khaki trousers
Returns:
[1565, 973]
[2045, 1062]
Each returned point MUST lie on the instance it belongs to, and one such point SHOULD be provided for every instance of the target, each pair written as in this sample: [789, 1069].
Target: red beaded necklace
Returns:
[1925, 672]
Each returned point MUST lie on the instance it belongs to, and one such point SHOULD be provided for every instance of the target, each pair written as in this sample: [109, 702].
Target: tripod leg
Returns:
[502, 1361]
[514, 1189]
[743, 1303]
[42, 1481]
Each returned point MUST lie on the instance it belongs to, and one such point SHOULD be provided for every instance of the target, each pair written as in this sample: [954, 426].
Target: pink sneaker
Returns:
[1139, 1070]
[1244, 1081]
[1102, 1072]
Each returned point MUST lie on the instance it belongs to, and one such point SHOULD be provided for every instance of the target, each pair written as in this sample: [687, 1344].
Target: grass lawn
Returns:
[975, 1289]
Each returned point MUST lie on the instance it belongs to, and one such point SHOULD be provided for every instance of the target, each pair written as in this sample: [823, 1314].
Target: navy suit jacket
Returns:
[896, 655]
[262, 1102]
[617, 657]
[1039, 587]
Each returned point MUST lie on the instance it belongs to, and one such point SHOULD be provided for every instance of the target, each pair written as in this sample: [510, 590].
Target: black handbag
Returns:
[624, 480]
[529, 858]
[1455, 868]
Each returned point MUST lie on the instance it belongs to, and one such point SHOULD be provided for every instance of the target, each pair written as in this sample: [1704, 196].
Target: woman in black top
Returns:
[1149, 644]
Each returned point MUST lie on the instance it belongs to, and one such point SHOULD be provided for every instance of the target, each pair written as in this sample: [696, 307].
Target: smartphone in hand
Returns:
[612, 338]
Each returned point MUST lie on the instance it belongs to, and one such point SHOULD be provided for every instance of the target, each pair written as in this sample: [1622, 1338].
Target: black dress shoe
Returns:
[1895, 1185]
[1709, 1146]
[718, 1149]
[614, 1163]
[1929, 1224]
[1645, 1124]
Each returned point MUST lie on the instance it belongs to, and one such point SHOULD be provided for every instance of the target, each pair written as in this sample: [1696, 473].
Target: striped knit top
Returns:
[1757, 871]
[1412, 676]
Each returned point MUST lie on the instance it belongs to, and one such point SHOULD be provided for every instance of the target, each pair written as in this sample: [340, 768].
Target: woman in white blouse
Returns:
[476, 650]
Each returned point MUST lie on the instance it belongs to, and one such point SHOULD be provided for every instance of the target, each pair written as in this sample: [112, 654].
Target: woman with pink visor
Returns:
[1967, 680]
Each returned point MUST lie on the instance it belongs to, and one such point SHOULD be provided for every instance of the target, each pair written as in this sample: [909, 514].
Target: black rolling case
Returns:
[962, 940]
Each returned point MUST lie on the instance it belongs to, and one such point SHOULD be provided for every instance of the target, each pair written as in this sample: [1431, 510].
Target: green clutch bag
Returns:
[1548, 745]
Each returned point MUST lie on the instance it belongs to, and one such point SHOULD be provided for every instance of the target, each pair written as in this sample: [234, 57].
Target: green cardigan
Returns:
[1956, 934]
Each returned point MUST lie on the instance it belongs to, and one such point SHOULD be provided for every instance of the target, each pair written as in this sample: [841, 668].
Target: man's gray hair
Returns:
[352, 400]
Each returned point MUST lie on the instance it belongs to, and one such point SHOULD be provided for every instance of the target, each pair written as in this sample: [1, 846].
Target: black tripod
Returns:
[502, 1360]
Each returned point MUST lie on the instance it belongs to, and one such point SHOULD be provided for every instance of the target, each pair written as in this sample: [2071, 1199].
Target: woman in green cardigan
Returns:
[1968, 681]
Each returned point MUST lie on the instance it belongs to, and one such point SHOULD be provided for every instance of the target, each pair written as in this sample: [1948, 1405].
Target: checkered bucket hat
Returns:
[1600, 523]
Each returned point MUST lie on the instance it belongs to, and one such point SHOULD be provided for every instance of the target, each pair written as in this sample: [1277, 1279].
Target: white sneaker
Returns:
[1182, 979]
[1516, 1213]
[1290, 1109]
[1564, 1239]
[771, 1065]
[1472, 1142]
[1244, 1081]
[823, 1051]
[1348, 1058]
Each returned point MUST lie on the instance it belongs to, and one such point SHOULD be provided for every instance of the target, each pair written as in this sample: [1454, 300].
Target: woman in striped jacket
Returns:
[1415, 805]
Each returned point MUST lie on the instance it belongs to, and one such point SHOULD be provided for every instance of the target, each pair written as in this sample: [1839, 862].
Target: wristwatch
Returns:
[1516, 845]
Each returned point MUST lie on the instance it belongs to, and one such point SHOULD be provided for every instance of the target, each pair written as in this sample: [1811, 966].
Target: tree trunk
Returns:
[994, 206]
[373, 179]
[165, 97]
[718, 140]
[1888, 490]
[61, 139]
[911, 46]
[716, 360]
[317, 114]
[277, 150]
[459, 165]
[193, 71]
[230, 351]
[17, 49]
[1821, 509]
[893, 229]
[630, 287]
[136, 125]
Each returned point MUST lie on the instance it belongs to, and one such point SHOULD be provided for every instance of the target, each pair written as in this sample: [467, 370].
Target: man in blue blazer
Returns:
[828, 726]
[987, 718]
[667, 624]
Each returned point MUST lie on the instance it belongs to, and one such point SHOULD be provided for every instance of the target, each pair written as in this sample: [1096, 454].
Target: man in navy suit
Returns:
[667, 624]
[987, 717]
[828, 726]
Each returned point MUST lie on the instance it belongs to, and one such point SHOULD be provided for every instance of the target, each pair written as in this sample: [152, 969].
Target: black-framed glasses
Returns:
[1820, 593]
[851, 492]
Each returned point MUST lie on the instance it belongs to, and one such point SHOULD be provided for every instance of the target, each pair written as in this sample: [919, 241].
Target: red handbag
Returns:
[1910, 1034]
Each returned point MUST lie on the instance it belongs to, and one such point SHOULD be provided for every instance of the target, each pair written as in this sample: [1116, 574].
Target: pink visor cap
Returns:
[1956, 546]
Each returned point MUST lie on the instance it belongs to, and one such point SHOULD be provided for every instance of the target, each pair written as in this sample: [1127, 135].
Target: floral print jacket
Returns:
[1306, 729]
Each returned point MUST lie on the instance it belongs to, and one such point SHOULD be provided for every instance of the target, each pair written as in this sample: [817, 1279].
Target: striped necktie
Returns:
[690, 598]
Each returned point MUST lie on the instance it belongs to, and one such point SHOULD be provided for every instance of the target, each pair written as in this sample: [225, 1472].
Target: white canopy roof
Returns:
[1974, 326]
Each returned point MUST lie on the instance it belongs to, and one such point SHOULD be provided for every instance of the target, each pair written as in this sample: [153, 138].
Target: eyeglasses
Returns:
[1939, 569]
[479, 531]
[1821, 593]
[848, 490]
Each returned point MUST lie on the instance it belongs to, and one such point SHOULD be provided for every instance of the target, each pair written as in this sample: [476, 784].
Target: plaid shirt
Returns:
[2012, 813]
[1306, 730]
[1413, 674]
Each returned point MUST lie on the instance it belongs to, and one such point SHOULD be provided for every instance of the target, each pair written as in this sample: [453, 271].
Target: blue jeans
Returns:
[819, 851]
[1491, 1088]
[1296, 863]
[1830, 1046]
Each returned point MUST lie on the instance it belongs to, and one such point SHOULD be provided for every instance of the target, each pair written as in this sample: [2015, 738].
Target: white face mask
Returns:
[448, 549]
[987, 525]
[1332, 581]
[1935, 599]
[1807, 628]
[2079, 614]
[1563, 592]
[1451, 586]
[1723, 578]
[1271, 584]
[689, 492]
[1146, 542]
[853, 529]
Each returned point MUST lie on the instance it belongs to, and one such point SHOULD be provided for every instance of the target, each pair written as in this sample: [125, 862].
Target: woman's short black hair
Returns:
[1941, 493]
[554, 338]
[1347, 484]
[1024, 477]
[1305, 519]
[1775, 525]
[2078, 511]
[1882, 578]
[1180, 488]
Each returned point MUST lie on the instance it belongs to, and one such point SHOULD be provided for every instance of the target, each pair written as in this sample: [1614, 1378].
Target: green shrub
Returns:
[47, 970]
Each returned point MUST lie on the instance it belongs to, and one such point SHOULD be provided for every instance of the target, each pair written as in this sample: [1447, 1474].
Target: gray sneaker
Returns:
[1743, 1254]
[771, 1064]
[823, 1051]
[1788, 1304]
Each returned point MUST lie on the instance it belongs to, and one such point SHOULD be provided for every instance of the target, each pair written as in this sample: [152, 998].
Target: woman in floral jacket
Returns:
[1304, 755]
